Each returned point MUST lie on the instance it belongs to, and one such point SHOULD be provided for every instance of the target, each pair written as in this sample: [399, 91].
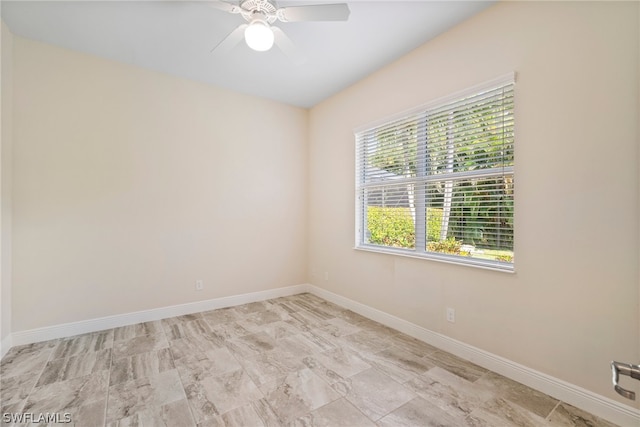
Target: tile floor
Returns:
[292, 361]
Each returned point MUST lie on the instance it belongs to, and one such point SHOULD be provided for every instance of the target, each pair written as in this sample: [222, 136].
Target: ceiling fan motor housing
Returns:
[264, 10]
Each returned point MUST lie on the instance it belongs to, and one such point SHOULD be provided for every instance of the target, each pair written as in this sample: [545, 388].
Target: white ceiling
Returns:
[177, 38]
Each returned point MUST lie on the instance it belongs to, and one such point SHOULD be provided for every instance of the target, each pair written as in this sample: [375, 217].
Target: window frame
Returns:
[420, 248]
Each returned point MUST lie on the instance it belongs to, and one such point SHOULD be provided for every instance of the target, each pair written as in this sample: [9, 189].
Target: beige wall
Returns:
[131, 185]
[572, 305]
[6, 138]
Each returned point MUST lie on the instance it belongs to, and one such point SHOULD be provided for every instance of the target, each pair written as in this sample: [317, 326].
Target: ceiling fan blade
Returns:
[222, 5]
[287, 47]
[317, 12]
[231, 41]
[283, 41]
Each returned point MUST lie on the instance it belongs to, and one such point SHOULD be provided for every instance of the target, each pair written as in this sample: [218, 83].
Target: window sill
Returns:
[502, 267]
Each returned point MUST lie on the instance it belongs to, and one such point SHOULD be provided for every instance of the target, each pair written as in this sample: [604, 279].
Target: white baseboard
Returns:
[102, 323]
[579, 397]
[5, 345]
[601, 406]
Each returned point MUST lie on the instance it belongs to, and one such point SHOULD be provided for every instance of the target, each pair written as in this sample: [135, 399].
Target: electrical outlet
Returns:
[451, 315]
[199, 285]
[326, 275]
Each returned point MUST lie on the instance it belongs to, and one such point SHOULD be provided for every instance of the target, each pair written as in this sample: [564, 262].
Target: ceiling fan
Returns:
[260, 34]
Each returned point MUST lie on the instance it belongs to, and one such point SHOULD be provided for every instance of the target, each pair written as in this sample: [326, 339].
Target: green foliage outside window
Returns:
[390, 226]
[393, 226]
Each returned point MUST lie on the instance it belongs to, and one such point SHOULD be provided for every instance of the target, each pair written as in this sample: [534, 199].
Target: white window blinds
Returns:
[437, 182]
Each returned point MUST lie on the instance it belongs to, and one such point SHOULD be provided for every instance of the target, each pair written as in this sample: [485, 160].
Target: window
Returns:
[437, 182]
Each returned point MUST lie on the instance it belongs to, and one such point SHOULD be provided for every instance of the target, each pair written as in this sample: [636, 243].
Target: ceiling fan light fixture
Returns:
[259, 36]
